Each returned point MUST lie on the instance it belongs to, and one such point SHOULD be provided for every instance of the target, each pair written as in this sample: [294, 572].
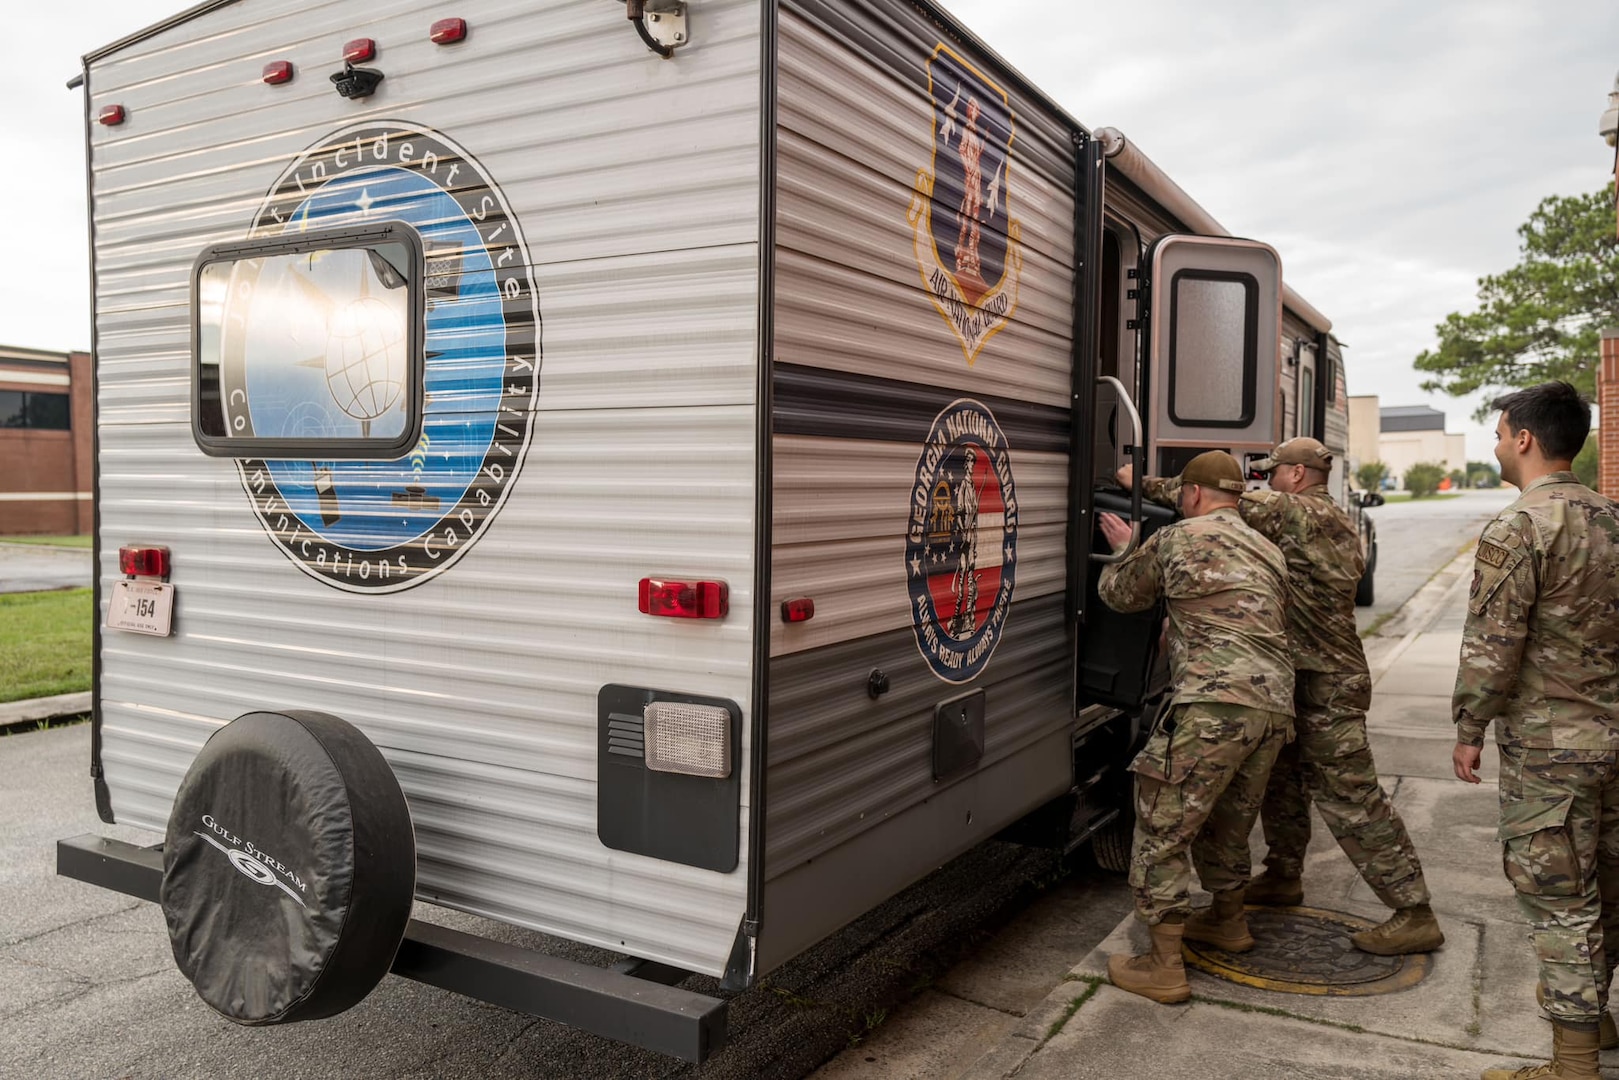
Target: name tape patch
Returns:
[1492, 555]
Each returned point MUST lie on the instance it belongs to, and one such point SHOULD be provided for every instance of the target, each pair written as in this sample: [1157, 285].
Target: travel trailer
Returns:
[628, 478]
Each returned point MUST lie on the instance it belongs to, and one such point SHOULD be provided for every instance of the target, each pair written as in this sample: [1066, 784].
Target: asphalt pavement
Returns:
[34, 567]
[1417, 537]
[88, 987]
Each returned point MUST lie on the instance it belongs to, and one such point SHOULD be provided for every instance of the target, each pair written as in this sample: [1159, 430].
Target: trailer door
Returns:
[1213, 329]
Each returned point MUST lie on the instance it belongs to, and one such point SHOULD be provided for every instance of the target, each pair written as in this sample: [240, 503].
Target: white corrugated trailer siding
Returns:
[864, 363]
[635, 182]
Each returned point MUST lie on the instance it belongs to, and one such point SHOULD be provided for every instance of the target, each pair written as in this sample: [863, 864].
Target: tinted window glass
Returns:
[1212, 353]
[48, 411]
[27, 409]
[1307, 402]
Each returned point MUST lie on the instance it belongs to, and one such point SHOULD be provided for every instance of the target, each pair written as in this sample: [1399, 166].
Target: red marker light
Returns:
[111, 115]
[799, 610]
[359, 50]
[144, 561]
[448, 31]
[277, 72]
[685, 599]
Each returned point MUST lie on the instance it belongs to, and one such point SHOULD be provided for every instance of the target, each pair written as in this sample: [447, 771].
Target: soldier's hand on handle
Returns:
[1116, 529]
[1466, 760]
[1125, 476]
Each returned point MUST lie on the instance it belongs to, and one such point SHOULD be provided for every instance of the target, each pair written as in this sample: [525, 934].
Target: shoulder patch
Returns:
[1492, 554]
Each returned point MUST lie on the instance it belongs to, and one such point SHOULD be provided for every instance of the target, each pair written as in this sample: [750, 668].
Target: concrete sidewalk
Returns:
[1475, 1009]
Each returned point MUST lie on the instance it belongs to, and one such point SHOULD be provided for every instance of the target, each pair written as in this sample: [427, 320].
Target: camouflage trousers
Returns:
[1560, 849]
[1199, 782]
[1330, 763]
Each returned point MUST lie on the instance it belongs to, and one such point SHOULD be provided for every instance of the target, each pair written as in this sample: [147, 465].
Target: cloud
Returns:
[1388, 150]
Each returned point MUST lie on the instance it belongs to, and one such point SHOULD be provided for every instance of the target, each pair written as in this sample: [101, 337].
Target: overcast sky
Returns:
[1388, 150]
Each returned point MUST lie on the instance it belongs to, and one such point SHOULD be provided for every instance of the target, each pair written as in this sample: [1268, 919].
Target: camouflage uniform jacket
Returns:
[1324, 565]
[1227, 592]
[1540, 648]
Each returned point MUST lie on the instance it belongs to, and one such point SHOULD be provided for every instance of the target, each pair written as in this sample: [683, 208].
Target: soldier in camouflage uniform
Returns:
[1540, 657]
[1201, 777]
[1331, 760]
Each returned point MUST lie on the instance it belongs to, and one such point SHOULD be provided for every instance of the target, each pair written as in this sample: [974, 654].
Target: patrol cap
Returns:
[1215, 469]
[1300, 451]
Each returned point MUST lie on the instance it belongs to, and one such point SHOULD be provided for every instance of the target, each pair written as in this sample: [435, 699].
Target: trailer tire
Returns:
[289, 868]
[1110, 846]
[1366, 587]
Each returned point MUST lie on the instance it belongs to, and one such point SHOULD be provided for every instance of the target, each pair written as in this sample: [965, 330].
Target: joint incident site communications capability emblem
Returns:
[380, 526]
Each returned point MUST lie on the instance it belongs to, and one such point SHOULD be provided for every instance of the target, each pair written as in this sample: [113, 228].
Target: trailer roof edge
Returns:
[156, 28]
[1126, 157]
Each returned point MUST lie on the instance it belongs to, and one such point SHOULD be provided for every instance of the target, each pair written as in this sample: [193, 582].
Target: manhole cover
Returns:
[1303, 950]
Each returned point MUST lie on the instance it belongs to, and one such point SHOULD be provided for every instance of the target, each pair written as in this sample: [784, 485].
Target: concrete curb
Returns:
[33, 710]
[1423, 609]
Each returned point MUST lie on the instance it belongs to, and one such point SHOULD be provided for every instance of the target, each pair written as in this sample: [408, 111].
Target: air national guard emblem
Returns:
[961, 541]
[967, 248]
[380, 526]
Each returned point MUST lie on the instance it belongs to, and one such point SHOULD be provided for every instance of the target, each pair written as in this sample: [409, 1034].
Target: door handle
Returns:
[1138, 462]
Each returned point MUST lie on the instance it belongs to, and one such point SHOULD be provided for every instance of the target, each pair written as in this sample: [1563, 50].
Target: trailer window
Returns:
[1307, 402]
[1213, 348]
[309, 347]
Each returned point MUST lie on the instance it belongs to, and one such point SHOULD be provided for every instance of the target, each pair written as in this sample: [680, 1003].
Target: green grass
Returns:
[1406, 497]
[44, 643]
[50, 541]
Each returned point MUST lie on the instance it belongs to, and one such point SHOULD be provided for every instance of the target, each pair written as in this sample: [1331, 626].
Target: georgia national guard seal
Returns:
[961, 541]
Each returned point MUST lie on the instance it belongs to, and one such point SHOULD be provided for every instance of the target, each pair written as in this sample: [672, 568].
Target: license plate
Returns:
[141, 607]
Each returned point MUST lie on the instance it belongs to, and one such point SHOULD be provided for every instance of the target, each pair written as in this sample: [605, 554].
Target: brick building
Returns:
[1608, 415]
[46, 426]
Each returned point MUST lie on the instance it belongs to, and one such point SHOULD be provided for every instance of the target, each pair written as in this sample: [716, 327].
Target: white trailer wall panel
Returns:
[635, 184]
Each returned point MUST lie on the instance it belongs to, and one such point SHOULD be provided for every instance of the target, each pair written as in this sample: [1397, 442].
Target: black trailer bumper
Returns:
[638, 1011]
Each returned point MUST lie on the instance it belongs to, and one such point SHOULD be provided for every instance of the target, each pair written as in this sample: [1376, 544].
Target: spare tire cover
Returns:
[288, 869]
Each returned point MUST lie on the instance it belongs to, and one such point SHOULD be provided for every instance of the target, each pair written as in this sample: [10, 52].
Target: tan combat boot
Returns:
[1408, 930]
[1607, 1034]
[1159, 973]
[1574, 1057]
[1271, 889]
[1222, 924]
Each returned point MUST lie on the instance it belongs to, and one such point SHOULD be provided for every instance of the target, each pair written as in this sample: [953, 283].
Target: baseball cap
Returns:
[1215, 469]
[1300, 451]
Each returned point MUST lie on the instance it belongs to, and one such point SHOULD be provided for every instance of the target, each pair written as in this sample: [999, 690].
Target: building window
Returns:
[39, 412]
